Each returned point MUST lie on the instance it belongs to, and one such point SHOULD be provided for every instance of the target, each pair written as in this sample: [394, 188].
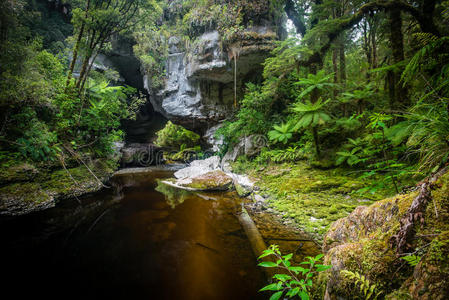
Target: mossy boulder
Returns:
[431, 275]
[361, 242]
[211, 181]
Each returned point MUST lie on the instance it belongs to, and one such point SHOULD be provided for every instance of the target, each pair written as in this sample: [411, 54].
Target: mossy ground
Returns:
[312, 197]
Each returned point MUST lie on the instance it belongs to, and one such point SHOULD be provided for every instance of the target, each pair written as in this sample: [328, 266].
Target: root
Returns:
[403, 239]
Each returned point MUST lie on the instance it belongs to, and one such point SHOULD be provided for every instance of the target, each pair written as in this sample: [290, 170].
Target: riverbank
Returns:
[310, 198]
[359, 231]
[26, 187]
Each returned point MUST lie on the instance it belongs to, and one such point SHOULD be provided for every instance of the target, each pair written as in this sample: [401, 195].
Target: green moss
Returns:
[313, 198]
[439, 251]
[30, 192]
[77, 181]
[15, 169]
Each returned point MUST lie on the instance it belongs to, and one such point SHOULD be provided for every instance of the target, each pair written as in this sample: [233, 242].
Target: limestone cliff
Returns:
[198, 91]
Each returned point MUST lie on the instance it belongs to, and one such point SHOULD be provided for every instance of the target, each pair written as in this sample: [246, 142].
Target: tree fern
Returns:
[318, 81]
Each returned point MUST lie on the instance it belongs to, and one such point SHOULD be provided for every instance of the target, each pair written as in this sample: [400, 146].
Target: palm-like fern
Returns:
[311, 114]
[319, 81]
[281, 133]
[359, 97]
[356, 152]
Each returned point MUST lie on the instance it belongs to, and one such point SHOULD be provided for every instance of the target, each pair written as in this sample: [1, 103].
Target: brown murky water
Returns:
[132, 242]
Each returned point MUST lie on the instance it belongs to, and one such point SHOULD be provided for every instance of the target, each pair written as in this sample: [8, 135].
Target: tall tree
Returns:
[95, 25]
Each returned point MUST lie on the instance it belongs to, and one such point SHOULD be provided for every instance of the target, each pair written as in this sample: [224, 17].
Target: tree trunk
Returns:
[316, 141]
[75, 55]
[77, 46]
[335, 68]
[399, 95]
[342, 59]
[83, 68]
[373, 43]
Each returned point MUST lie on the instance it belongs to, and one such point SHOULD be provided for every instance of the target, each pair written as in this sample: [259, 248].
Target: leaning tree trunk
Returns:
[75, 55]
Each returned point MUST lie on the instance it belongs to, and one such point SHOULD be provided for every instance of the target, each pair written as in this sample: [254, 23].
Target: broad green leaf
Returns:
[267, 264]
[276, 296]
[270, 287]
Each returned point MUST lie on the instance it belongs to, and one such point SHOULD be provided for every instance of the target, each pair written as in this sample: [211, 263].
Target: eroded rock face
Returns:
[199, 86]
[141, 155]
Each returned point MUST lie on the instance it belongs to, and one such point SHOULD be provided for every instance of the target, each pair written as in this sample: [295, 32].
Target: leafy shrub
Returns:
[291, 154]
[253, 116]
[281, 133]
[298, 281]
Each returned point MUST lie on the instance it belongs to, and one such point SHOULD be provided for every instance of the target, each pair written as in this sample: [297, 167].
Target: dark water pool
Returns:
[131, 242]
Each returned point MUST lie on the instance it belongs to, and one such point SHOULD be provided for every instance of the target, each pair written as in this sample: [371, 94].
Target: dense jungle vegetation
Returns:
[353, 99]
[361, 84]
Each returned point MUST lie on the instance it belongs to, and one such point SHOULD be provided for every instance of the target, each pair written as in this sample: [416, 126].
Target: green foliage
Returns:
[433, 46]
[41, 119]
[356, 150]
[281, 133]
[175, 136]
[425, 131]
[297, 281]
[367, 288]
[291, 154]
[412, 260]
[358, 97]
[311, 114]
[315, 82]
[253, 116]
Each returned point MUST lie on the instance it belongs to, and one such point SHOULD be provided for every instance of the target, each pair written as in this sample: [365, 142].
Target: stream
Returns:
[133, 240]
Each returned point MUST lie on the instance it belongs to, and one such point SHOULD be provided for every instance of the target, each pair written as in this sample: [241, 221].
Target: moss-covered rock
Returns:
[430, 277]
[361, 243]
[23, 198]
[14, 170]
[45, 187]
[211, 181]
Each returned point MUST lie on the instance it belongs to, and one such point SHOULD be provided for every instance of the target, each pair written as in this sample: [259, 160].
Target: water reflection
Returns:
[173, 196]
[137, 240]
